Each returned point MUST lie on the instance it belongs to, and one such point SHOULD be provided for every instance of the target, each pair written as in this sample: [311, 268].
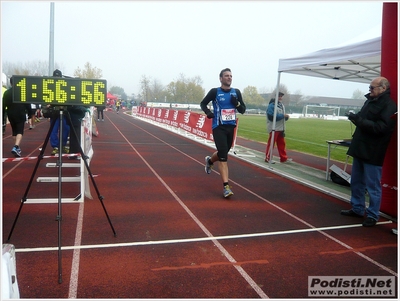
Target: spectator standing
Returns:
[279, 136]
[374, 127]
[118, 105]
[54, 136]
[32, 116]
[76, 113]
[100, 113]
[226, 101]
[4, 89]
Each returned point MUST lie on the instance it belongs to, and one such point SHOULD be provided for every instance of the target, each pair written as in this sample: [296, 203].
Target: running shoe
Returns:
[16, 151]
[66, 150]
[208, 166]
[227, 191]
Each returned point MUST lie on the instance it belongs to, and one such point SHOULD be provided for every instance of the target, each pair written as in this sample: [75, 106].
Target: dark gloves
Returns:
[210, 115]
[354, 118]
[234, 101]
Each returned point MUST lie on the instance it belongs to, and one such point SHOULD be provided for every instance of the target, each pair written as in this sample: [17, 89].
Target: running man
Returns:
[226, 101]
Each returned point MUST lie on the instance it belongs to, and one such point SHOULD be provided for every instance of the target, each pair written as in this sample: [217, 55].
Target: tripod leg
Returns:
[84, 158]
[59, 215]
[40, 157]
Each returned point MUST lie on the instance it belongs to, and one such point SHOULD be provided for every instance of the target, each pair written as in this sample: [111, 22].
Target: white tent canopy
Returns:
[358, 62]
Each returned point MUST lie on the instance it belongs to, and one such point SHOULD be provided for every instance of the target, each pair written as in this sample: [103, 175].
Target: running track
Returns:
[177, 237]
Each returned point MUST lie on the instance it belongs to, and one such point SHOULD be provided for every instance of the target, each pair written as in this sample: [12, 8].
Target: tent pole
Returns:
[274, 120]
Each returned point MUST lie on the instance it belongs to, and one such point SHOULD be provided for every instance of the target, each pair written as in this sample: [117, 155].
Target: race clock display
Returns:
[59, 90]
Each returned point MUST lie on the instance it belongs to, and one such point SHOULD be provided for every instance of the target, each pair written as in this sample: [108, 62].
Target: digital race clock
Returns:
[59, 90]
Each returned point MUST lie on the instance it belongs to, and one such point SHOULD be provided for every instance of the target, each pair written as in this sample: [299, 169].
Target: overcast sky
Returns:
[163, 39]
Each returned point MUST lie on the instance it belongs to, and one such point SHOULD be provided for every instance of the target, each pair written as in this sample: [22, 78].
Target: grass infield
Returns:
[306, 135]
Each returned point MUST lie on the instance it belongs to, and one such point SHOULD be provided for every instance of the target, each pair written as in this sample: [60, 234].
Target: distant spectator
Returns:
[279, 136]
[100, 112]
[117, 105]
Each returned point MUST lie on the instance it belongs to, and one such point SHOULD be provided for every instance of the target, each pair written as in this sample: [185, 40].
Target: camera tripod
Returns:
[59, 163]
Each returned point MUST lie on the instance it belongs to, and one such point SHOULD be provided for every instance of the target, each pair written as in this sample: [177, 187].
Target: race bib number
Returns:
[228, 114]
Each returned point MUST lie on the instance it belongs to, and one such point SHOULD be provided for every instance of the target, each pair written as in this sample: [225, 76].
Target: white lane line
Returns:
[283, 210]
[19, 163]
[321, 231]
[295, 217]
[241, 271]
[73, 284]
[197, 239]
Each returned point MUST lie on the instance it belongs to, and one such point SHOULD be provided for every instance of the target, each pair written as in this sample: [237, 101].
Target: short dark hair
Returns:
[57, 73]
[224, 70]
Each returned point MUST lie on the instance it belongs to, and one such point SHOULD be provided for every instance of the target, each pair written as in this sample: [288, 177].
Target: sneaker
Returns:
[272, 162]
[55, 151]
[288, 160]
[350, 212]
[227, 191]
[98, 119]
[208, 166]
[16, 151]
[66, 150]
[369, 222]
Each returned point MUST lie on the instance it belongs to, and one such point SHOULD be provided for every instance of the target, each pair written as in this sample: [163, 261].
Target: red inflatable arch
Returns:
[389, 70]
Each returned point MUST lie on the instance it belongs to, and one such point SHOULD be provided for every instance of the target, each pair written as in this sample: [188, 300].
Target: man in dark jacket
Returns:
[16, 113]
[374, 127]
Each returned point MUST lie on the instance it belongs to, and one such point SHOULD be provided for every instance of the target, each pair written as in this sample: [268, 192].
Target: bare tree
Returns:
[34, 68]
[145, 88]
[88, 72]
[296, 98]
[358, 94]
[185, 90]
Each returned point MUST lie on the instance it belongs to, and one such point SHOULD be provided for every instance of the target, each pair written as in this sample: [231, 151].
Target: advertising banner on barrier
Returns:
[191, 122]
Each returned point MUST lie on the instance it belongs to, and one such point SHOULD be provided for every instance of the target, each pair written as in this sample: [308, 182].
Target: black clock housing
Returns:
[59, 90]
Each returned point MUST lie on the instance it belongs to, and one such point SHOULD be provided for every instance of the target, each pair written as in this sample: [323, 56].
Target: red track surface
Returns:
[177, 237]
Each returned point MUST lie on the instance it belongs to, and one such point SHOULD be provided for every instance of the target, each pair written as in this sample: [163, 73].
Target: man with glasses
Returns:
[374, 127]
